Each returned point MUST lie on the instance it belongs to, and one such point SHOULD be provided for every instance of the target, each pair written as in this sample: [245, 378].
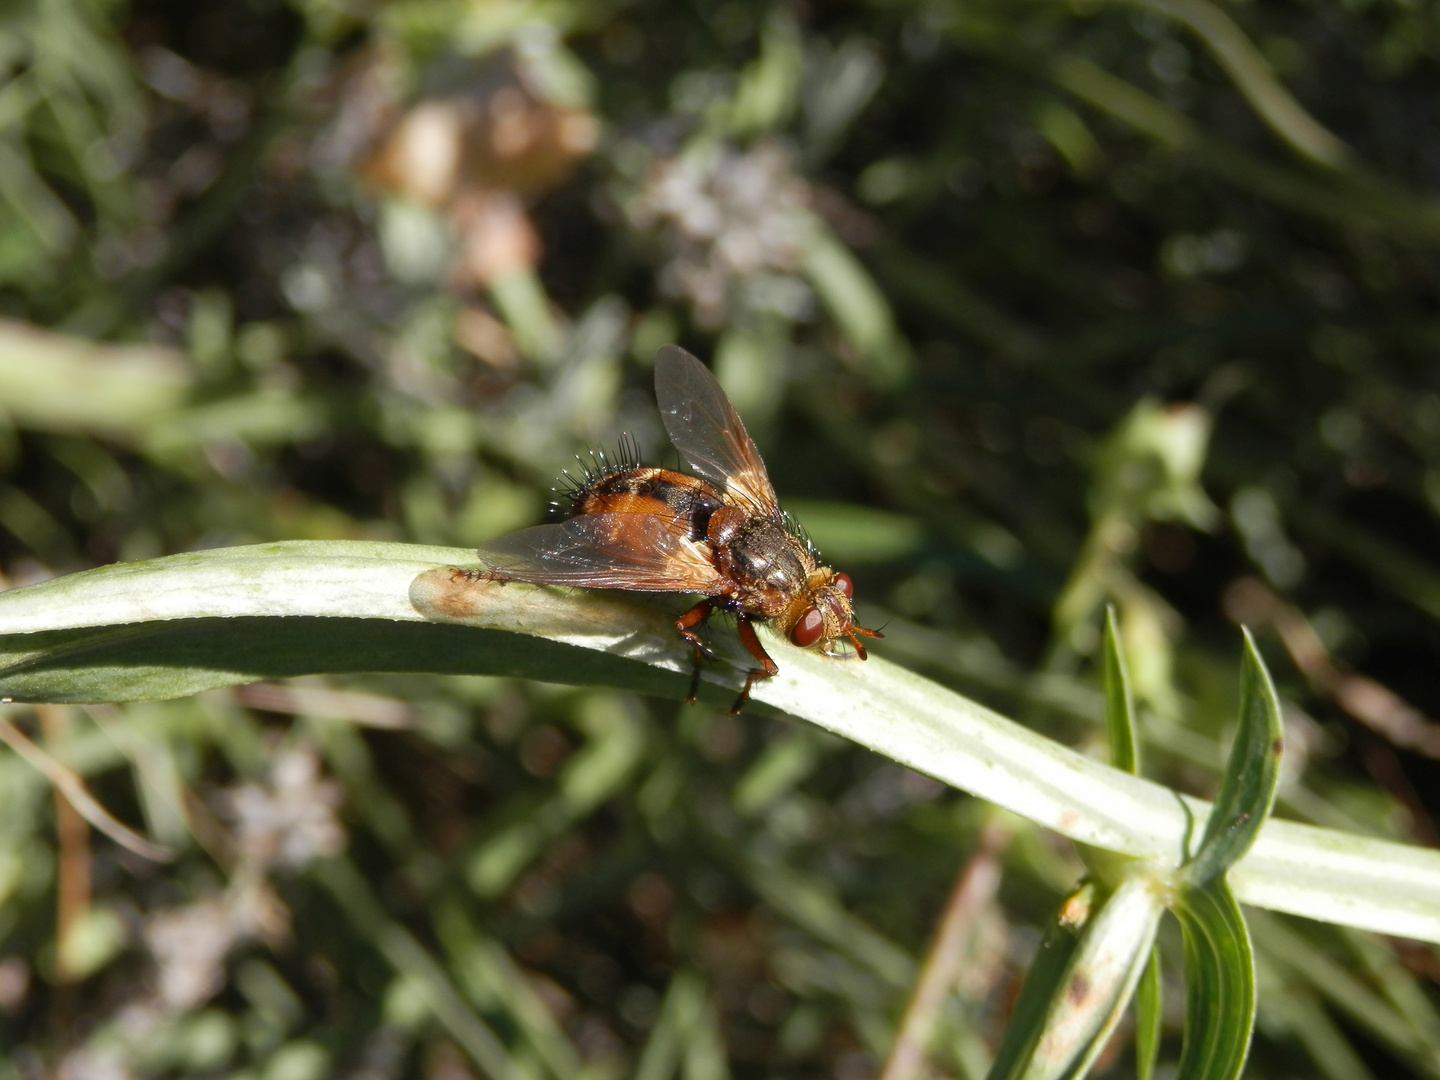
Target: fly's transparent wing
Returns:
[643, 552]
[707, 431]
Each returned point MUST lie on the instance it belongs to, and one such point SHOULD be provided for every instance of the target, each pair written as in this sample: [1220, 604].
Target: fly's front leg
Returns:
[694, 617]
[768, 668]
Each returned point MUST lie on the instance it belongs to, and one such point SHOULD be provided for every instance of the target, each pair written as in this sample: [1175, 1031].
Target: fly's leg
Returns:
[859, 648]
[768, 668]
[470, 573]
[694, 617]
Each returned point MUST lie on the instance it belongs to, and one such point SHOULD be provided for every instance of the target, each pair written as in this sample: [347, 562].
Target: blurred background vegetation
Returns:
[1031, 306]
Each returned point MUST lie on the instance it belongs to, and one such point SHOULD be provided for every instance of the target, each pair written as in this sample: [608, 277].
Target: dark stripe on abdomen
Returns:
[648, 490]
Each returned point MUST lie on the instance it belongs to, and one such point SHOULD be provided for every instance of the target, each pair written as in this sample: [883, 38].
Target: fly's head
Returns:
[826, 615]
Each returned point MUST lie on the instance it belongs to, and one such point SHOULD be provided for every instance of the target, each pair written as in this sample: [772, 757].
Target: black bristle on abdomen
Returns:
[595, 467]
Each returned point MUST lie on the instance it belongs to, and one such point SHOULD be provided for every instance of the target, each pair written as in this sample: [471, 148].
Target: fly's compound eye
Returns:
[844, 584]
[809, 630]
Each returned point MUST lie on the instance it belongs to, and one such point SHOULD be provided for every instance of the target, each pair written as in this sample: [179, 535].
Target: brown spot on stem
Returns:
[452, 592]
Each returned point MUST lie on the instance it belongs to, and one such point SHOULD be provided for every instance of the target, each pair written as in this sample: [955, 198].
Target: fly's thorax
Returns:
[725, 526]
[760, 555]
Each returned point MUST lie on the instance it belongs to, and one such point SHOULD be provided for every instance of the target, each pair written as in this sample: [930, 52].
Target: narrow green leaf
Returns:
[811, 903]
[520, 297]
[590, 777]
[1042, 983]
[768, 89]
[493, 980]
[337, 577]
[1114, 951]
[126, 387]
[1119, 702]
[158, 661]
[779, 768]
[168, 627]
[174, 626]
[1247, 790]
[1219, 982]
[685, 1036]
[1148, 1014]
[705, 1055]
[857, 305]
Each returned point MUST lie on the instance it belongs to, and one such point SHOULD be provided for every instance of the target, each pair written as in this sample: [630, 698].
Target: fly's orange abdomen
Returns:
[647, 490]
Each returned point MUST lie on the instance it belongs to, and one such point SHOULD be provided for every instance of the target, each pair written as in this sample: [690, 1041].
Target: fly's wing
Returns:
[707, 431]
[644, 552]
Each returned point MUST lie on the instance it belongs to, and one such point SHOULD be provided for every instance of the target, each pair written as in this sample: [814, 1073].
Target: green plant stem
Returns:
[396, 589]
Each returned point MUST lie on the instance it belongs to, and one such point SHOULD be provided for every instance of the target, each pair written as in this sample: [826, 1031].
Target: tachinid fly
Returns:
[720, 533]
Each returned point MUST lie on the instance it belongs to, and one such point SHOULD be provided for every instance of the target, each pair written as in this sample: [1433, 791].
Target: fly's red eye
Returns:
[809, 629]
[844, 584]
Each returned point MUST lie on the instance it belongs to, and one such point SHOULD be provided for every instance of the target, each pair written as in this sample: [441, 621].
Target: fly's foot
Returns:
[683, 626]
[751, 676]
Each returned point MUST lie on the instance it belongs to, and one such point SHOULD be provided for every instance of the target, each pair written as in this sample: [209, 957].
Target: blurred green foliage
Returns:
[1032, 306]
